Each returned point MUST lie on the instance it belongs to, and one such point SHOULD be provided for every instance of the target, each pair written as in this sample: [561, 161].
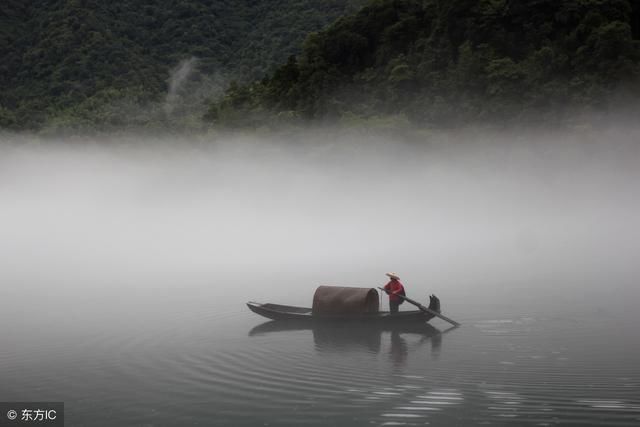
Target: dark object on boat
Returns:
[336, 300]
[359, 307]
[434, 303]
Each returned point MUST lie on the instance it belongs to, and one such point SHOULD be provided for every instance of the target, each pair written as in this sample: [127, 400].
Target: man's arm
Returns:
[387, 287]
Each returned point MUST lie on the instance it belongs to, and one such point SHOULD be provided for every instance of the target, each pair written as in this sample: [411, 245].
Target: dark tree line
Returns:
[445, 62]
[78, 62]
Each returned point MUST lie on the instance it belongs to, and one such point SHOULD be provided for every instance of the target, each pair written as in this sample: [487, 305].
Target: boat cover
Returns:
[345, 300]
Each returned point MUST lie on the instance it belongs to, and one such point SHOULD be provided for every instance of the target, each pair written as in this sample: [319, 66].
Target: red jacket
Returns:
[394, 286]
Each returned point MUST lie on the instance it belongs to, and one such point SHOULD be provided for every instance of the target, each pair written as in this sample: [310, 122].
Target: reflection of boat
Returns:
[356, 336]
[340, 304]
[351, 329]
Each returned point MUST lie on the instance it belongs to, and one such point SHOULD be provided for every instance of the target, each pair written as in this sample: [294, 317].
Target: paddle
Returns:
[422, 307]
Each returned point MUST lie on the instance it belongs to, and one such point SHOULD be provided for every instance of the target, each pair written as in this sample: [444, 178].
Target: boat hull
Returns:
[284, 312]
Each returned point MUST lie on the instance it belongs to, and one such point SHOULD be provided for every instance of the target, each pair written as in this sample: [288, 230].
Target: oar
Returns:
[423, 308]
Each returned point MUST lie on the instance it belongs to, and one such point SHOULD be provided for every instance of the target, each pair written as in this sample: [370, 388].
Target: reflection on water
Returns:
[520, 370]
[344, 338]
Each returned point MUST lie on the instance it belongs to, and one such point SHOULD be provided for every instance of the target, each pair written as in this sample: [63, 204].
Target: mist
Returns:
[519, 218]
[177, 80]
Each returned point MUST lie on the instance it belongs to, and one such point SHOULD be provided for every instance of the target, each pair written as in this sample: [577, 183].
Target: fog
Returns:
[469, 215]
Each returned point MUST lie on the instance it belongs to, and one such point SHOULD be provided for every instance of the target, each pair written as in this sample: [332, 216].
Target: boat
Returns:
[345, 304]
[287, 312]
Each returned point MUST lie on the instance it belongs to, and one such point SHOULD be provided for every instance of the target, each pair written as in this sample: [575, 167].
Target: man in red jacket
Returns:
[392, 288]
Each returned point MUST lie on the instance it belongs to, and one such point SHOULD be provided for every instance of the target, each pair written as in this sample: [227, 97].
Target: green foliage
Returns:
[7, 118]
[89, 64]
[60, 58]
[447, 62]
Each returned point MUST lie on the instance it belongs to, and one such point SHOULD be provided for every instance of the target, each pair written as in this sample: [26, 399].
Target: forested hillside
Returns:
[447, 62]
[93, 63]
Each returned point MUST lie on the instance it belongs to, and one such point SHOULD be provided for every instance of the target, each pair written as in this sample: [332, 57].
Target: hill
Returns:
[446, 62]
[89, 63]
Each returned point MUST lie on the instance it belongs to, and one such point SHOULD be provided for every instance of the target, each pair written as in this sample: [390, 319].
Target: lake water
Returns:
[125, 272]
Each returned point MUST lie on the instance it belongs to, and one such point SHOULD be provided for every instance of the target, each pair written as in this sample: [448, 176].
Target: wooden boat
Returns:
[342, 304]
[287, 312]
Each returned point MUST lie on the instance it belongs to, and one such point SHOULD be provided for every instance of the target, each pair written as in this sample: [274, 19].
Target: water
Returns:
[124, 274]
[208, 363]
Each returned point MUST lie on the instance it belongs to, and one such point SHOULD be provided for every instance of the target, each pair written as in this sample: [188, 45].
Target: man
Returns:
[393, 288]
